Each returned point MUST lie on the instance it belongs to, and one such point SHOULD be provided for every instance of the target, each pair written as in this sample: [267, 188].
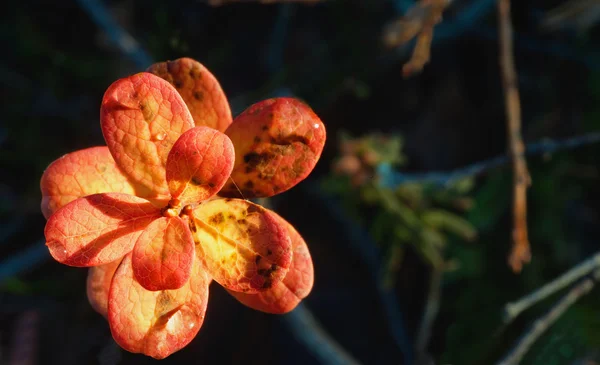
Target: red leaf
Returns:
[164, 254]
[97, 229]
[277, 144]
[244, 246]
[155, 323]
[284, 296]
[199, 164]
[81, 173]
[98, 285]
[199, 89]
[142, 116]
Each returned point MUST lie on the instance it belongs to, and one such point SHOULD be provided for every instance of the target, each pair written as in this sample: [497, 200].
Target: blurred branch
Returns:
[429, 314]
[368, 251]
[223, 2]
[536, 330]
[392, 179]
[580, 14]
[123, 40]
[419, 22]
[512, 310]
[310, 332]
[24, 260]
[278, 36]
[24, 347]
[520, 253]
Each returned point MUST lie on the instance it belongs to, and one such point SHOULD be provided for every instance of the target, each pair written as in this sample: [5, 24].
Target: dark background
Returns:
[57, 61]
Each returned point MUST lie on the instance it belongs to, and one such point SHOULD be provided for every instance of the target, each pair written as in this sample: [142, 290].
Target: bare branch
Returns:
[512, 310]
[538, 328]
[520, 253]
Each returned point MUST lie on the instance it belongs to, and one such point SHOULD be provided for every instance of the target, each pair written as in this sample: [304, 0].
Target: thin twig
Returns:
[538, 328]
[422, 52]
[310, 332]
[513, 309]
[520, 253]
[393, 179]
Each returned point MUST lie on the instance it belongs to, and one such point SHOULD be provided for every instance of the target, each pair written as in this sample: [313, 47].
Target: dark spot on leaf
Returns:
[196, 181]
[217, 218]
[242, 221]
[269, 252]
[284, 141]
[267, 284]
[253, 208]
[231, 216]
[255, 160]
[257, 259]
[262, 272]
[178, 83]
[257, 139]
[264, 127]
[228, 199]
[249, 184]
[198, 95]
[211, 185]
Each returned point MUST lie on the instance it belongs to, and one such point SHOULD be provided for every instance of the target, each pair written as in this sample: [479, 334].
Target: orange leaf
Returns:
[142, 116]
[199, 164]
[155, 323]
[98, 285]
[277, 144]
[164, 254]
[244, 246]
[97, 229]
[200, 90]
[81, 173]
[284, 296]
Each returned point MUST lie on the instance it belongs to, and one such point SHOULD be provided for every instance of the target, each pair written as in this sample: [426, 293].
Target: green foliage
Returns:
[417, 215]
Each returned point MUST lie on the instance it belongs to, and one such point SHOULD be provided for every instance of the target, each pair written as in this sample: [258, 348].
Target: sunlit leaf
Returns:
[164, 254]
[155, 323]
[245, 247]
[98, 285]
[97, 229]
[142, 116]
[277, 144]
[199, 89]
[199, 164]
[81, 173]
[297, 284]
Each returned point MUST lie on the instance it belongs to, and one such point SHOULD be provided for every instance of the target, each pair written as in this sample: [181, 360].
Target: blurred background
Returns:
[407, 215]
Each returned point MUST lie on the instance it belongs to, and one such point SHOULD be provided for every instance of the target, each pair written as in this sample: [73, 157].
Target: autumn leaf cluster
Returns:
[163, 209]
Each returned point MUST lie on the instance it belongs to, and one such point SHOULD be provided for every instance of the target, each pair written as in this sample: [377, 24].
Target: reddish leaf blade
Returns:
[244, 246]
[164, 254]
[199, 164]
[277, 144]
[98, 285]
[97, 229]
[284, 296]
[155, 323]
[199, 89]
[81, 173]
[142, 116]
